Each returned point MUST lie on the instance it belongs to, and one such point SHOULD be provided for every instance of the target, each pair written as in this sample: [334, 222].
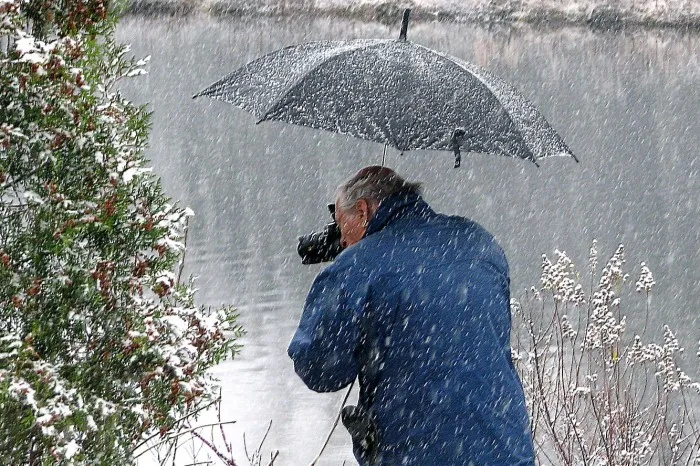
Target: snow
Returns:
[177, 325]
[646, 280]
[33, 197]
[71, 449]
[136, 72]
[132, 172]
[25, 45]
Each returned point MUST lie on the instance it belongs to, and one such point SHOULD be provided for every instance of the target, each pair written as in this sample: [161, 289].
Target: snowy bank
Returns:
[541, 13]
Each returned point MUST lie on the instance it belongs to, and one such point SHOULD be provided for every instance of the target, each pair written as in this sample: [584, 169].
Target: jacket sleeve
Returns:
[325, 346]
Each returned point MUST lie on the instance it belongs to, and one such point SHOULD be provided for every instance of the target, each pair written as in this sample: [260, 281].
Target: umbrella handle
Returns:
[457, 139]
[404, 24]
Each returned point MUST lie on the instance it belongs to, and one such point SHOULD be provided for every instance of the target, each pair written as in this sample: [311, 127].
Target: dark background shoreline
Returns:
[513, 13]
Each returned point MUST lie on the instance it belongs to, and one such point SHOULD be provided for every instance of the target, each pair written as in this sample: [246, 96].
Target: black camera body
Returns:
[363, 430]
[321, 246]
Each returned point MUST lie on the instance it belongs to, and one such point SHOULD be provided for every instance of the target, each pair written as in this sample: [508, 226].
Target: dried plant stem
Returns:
[273, 457]
[190, 415]
[335, 424]
[212, 447]
[590, 388]
[180, 433]
[181, 264]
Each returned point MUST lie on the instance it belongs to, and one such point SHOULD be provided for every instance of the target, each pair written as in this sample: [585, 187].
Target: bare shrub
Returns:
[596, 395]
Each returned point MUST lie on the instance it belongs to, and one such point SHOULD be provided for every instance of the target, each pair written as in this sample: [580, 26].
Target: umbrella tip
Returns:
[404, 24]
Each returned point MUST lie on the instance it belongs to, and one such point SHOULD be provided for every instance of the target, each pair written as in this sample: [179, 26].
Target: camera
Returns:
[321, 246]
[363, 430]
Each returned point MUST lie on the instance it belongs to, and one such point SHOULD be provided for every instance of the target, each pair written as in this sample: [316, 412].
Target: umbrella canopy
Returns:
[395, 92]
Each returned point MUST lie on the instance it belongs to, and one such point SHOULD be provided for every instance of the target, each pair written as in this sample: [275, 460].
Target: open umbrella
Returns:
[394, 92]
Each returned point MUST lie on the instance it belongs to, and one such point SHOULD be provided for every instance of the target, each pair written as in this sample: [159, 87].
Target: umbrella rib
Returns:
[449, 59]
[369, 43]
[565, 149]
[286, 91]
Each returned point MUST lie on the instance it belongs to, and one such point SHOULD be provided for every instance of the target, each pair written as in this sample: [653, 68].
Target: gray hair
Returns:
[374, 183]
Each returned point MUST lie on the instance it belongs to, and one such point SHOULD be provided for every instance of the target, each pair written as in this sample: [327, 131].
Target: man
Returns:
[417, 307]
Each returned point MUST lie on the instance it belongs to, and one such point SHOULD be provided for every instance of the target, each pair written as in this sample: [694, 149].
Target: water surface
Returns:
[626, 103]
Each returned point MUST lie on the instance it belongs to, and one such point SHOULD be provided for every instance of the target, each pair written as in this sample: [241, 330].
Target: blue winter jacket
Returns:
[419, 311]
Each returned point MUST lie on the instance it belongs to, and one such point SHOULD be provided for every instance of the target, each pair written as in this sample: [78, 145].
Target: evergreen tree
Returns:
[100, 343]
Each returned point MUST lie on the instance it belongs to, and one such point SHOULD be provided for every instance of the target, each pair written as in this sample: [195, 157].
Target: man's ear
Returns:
[363, 208]
[366, 208]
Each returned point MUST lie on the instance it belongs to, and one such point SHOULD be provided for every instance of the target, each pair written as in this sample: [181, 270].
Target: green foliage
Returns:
[100, 343]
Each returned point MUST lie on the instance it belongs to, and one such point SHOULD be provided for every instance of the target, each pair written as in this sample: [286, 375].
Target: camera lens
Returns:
[320, 246]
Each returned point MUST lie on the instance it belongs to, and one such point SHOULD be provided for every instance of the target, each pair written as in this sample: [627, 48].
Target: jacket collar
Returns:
[395, 207]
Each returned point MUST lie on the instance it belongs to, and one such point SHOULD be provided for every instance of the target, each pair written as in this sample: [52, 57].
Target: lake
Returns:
[626, 102]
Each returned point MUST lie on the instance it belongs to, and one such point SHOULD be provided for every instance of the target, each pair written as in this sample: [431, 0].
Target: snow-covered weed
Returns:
[596, 396]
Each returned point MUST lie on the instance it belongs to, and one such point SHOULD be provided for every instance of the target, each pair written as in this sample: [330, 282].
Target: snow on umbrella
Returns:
[394, 92]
